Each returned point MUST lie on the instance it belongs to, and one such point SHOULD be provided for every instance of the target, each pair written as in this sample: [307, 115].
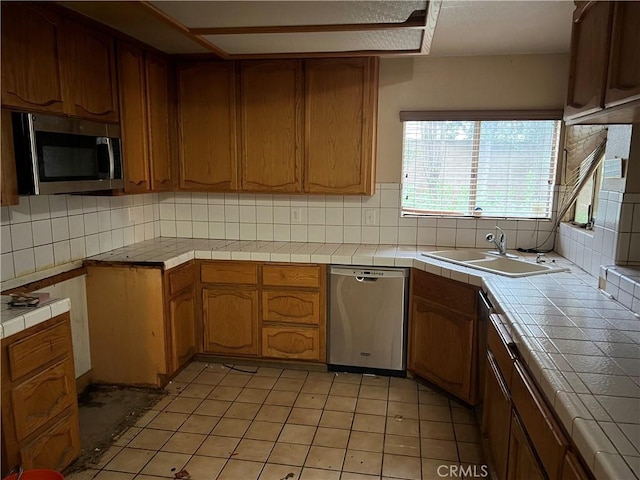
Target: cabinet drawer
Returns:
[546, 436]
[291, 276]
[42, 397]
[230, 273]
[498, 342]
[291, 307]
[290, 342]
[56, 448]
[180, 278]
[30, 353]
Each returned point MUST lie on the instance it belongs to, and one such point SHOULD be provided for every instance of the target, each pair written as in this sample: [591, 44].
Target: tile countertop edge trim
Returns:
[366, 255]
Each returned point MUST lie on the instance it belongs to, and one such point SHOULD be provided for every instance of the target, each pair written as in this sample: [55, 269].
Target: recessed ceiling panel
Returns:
[272, 43]
[193, 14]
[137, 21]
[502, 27]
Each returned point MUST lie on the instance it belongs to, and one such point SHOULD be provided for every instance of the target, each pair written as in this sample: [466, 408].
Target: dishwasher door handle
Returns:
[366, 279]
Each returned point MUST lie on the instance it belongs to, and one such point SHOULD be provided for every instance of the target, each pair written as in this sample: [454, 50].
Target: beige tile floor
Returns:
[222, 424]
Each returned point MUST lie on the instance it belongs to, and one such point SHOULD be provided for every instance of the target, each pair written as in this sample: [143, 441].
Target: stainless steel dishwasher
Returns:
[367, 318]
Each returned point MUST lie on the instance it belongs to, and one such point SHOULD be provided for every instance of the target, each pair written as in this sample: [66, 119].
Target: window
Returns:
[501, 168]
[583, 172]
[587, 200]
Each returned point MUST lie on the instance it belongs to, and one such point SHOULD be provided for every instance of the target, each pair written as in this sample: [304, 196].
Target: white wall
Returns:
[75, 290]
[461, 83]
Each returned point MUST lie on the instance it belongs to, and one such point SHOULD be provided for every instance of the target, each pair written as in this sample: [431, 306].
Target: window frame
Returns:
[487, 115]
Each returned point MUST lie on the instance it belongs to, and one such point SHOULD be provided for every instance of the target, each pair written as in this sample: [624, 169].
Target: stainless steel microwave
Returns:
[57, 154]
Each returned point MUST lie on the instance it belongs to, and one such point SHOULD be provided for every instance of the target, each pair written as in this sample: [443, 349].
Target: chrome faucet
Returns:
[501, 243]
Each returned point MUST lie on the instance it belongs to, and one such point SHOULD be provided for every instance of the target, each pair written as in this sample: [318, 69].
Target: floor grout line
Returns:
[308, 379]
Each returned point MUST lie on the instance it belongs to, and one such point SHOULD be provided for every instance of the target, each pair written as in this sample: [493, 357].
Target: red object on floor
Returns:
[36, 474]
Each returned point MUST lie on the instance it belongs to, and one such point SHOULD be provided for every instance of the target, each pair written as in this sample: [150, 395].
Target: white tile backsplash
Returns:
[44, 231]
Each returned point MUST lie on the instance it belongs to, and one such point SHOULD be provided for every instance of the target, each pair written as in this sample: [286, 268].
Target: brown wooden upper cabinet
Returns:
[623, 83]
[89, 66]
[207, 126]
[340, 124]
[144, 106]
[54, 64]
[31, 74]
[271, 126]
[605, 67]
[9, 180]
[328, 149]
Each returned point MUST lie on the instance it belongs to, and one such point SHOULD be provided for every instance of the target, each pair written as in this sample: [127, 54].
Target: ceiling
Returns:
[267, 28]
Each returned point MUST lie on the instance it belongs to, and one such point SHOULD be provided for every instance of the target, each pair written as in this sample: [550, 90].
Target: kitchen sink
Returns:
[489, 262]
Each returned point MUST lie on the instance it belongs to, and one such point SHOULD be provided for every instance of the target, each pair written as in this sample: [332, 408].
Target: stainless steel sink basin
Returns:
[509, 267]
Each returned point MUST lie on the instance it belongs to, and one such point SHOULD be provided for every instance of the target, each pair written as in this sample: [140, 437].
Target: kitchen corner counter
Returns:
[17, 319]
[581, 346]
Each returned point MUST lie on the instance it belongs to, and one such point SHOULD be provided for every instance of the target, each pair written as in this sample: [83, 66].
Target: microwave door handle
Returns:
[105, 149]
[35, 172]
[111, 159]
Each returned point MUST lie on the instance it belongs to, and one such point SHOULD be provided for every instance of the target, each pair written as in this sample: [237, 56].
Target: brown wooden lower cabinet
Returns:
[39, 405]
[496, 419]
[522, 437]
[268, 310]
[136, 341]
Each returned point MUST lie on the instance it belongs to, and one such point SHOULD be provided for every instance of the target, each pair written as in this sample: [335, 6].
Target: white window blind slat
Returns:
[481, 167]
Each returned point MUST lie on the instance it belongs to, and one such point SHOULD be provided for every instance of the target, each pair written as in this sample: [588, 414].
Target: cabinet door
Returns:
[523, 464]
[340, 124]
[207, 126]
[54, 449]
[89, 67]
[131, 76]
[496, 418]
[590, 39]
[31, 76]
[158, 122]
[624, 63]
[441, 347]
[9, 179]
[42, 397]
[183, 332]
[296, 343]
[230, 321]
[271, 119]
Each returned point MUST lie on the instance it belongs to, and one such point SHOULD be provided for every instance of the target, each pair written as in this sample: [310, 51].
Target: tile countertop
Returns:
[582, 347]
[17, 319]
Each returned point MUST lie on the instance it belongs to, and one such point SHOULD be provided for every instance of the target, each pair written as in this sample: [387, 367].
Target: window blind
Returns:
[487, 168]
